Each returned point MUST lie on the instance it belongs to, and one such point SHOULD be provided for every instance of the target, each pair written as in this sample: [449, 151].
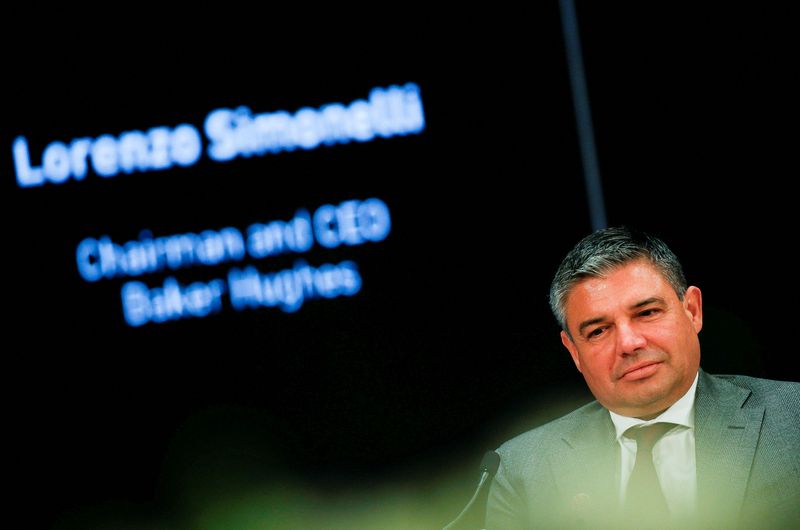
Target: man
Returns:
[665, 444]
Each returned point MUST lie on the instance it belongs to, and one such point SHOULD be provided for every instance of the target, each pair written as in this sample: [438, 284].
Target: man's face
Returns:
[634, 342]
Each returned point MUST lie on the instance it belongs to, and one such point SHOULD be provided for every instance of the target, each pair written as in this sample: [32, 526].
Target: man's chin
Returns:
[649, 400]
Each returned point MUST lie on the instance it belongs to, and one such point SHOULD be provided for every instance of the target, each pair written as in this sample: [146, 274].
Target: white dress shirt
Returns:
[673, 454]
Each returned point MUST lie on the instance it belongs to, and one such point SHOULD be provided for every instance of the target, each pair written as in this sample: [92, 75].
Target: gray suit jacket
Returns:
[565, 474]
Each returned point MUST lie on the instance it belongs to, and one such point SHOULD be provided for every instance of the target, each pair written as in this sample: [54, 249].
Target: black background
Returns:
[449, 348]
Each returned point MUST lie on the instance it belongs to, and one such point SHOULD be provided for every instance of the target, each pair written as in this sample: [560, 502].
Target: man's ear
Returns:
[569, 345]
[693, 305]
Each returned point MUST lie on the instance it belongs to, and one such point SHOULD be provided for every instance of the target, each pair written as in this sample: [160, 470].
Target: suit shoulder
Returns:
[767, 391]
[545, 436]
[780, 400]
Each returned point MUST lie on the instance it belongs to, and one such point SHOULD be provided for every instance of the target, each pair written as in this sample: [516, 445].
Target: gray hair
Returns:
[599, 253]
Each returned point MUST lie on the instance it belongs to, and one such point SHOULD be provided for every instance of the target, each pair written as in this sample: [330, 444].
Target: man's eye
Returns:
[595, 332]
[648, 312]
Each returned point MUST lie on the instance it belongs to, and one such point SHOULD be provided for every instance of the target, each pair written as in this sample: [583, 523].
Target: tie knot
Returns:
[647, 436]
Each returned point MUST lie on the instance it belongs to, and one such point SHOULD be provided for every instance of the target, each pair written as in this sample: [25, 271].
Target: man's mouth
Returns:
[640, 371]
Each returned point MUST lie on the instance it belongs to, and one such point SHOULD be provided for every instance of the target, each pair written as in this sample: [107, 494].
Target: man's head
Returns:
[629, 320]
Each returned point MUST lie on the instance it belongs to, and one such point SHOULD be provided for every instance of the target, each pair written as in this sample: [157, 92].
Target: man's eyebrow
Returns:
[652, 300]
[649, 301]
[586, 323]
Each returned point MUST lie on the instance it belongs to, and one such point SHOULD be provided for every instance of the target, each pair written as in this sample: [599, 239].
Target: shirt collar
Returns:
[681, 412]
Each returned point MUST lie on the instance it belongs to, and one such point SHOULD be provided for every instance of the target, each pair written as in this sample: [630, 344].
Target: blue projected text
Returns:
[287, 289]
[136, 151]
[392, 111]
[387, 112]
[350, 223]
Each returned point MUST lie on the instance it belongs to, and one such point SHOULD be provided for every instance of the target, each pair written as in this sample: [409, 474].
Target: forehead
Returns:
[623, 286]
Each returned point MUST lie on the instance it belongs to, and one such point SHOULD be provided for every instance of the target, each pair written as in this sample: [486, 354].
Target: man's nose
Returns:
[629, 339]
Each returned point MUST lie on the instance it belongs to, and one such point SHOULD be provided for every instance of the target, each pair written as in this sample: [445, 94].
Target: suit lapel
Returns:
[586, 468]
[726, 435]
